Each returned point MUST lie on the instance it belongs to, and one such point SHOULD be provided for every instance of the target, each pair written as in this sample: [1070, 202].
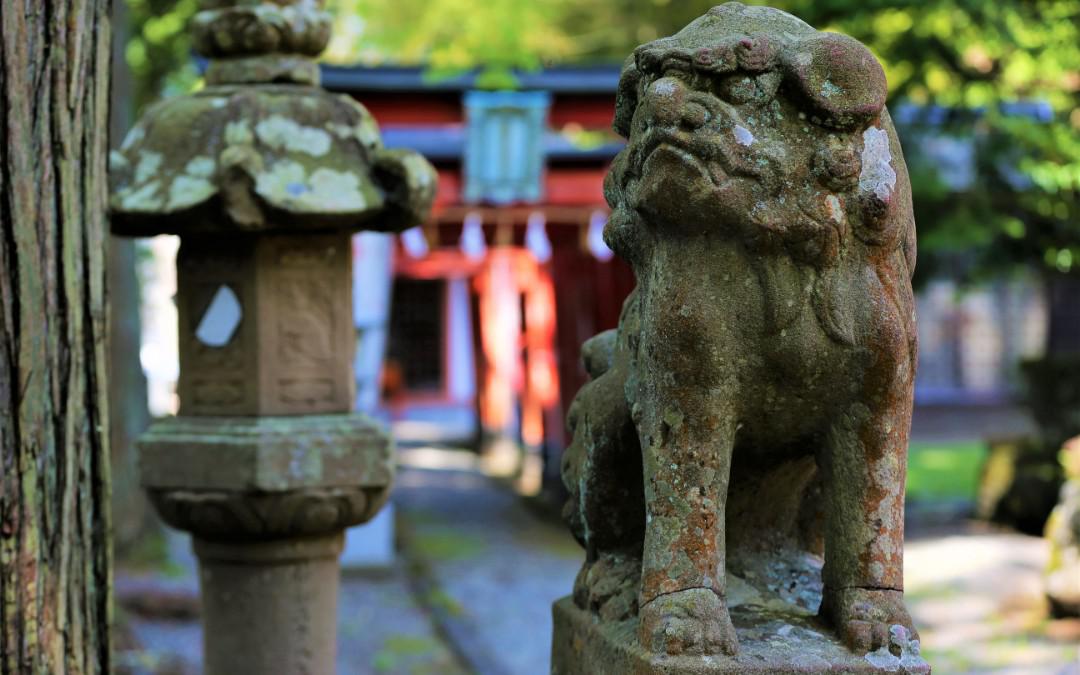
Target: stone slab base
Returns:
[770, 642]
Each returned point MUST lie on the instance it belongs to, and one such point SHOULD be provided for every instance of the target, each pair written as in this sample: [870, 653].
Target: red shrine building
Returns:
[492, 298]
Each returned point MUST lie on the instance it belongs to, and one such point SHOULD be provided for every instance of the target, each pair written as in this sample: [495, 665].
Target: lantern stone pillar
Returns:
[264, 175]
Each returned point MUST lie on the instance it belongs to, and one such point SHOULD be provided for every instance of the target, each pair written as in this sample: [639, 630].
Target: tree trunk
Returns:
[54, 490]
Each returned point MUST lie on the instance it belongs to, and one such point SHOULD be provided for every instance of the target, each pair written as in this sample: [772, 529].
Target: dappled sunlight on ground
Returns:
[976, 596]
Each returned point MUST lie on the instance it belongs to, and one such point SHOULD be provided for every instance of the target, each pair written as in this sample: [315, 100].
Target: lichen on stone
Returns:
[878, 175]
[828, 89]
[117, 162]
[134, 136]
[200, 166]
[835, 208]
[144, 198]
[188, 190]
[149, 163]
[282, 133]
[238, 132]
[417, 173]
[287, 183]
[743, 135]
[365, 129]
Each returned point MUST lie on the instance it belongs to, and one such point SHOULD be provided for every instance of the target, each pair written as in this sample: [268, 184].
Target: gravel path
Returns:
[499, 565]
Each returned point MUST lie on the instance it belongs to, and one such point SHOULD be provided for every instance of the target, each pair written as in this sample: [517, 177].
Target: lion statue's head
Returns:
[753, 125]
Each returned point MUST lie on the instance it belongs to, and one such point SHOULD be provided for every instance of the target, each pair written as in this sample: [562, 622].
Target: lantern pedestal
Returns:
[270, 607]
[267, 500]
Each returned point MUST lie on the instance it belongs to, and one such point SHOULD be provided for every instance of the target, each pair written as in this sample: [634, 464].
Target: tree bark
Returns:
[54, 490]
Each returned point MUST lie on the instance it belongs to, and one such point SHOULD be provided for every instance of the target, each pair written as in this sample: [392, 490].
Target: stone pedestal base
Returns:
[269, 607]
[267, 500]
[771, 642]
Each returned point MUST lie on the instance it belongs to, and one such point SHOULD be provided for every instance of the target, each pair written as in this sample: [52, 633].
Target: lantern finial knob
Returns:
[261, 40]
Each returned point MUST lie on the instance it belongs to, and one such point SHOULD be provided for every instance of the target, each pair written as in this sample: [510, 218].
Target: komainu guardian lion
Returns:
[761, 377]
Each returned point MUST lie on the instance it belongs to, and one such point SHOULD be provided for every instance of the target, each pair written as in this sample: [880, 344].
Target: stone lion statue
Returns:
[750, 416]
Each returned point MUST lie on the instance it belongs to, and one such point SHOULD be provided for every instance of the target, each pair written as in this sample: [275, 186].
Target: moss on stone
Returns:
[280, 157]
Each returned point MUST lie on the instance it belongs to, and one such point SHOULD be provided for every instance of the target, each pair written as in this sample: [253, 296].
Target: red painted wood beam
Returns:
[563, 186]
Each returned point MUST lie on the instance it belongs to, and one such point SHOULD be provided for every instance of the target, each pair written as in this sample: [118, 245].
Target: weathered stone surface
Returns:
[774, 641]
[752, 411]
[265, 478]
[1063, 533]
[270, 607]
[275, 157]
[227, 515]
[265, 454]
[232, 29]
[292, 350]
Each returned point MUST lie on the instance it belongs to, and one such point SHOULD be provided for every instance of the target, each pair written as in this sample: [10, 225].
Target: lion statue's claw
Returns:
[691, 622]
[865, 617]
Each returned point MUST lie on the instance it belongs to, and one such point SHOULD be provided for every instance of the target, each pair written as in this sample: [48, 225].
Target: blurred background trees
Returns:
[1006, 74]
[973, 58]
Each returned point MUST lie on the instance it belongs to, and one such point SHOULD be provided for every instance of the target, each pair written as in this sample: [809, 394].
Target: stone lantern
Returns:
[264, 175]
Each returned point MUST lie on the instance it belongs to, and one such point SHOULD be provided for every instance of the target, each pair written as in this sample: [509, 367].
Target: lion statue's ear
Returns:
[839, 80]
[626, 97]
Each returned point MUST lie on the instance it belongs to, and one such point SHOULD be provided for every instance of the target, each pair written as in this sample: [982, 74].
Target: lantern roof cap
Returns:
[263, 147]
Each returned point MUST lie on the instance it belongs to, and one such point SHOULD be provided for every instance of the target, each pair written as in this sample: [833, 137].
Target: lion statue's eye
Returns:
[837, 167]
[676, 66]
[737, 89]
[695, 115]
[743, 88]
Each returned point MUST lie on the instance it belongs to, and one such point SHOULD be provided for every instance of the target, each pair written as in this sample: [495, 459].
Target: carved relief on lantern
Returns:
[287, 347]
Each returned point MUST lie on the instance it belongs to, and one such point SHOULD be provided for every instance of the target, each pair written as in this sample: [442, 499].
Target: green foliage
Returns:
[944, 470]
[158, 50]
[447, 544]
[453, 36]
[412, 654]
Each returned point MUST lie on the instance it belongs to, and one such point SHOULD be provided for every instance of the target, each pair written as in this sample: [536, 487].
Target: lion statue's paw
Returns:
[693, 622]
[865, 617]
[608, 586]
